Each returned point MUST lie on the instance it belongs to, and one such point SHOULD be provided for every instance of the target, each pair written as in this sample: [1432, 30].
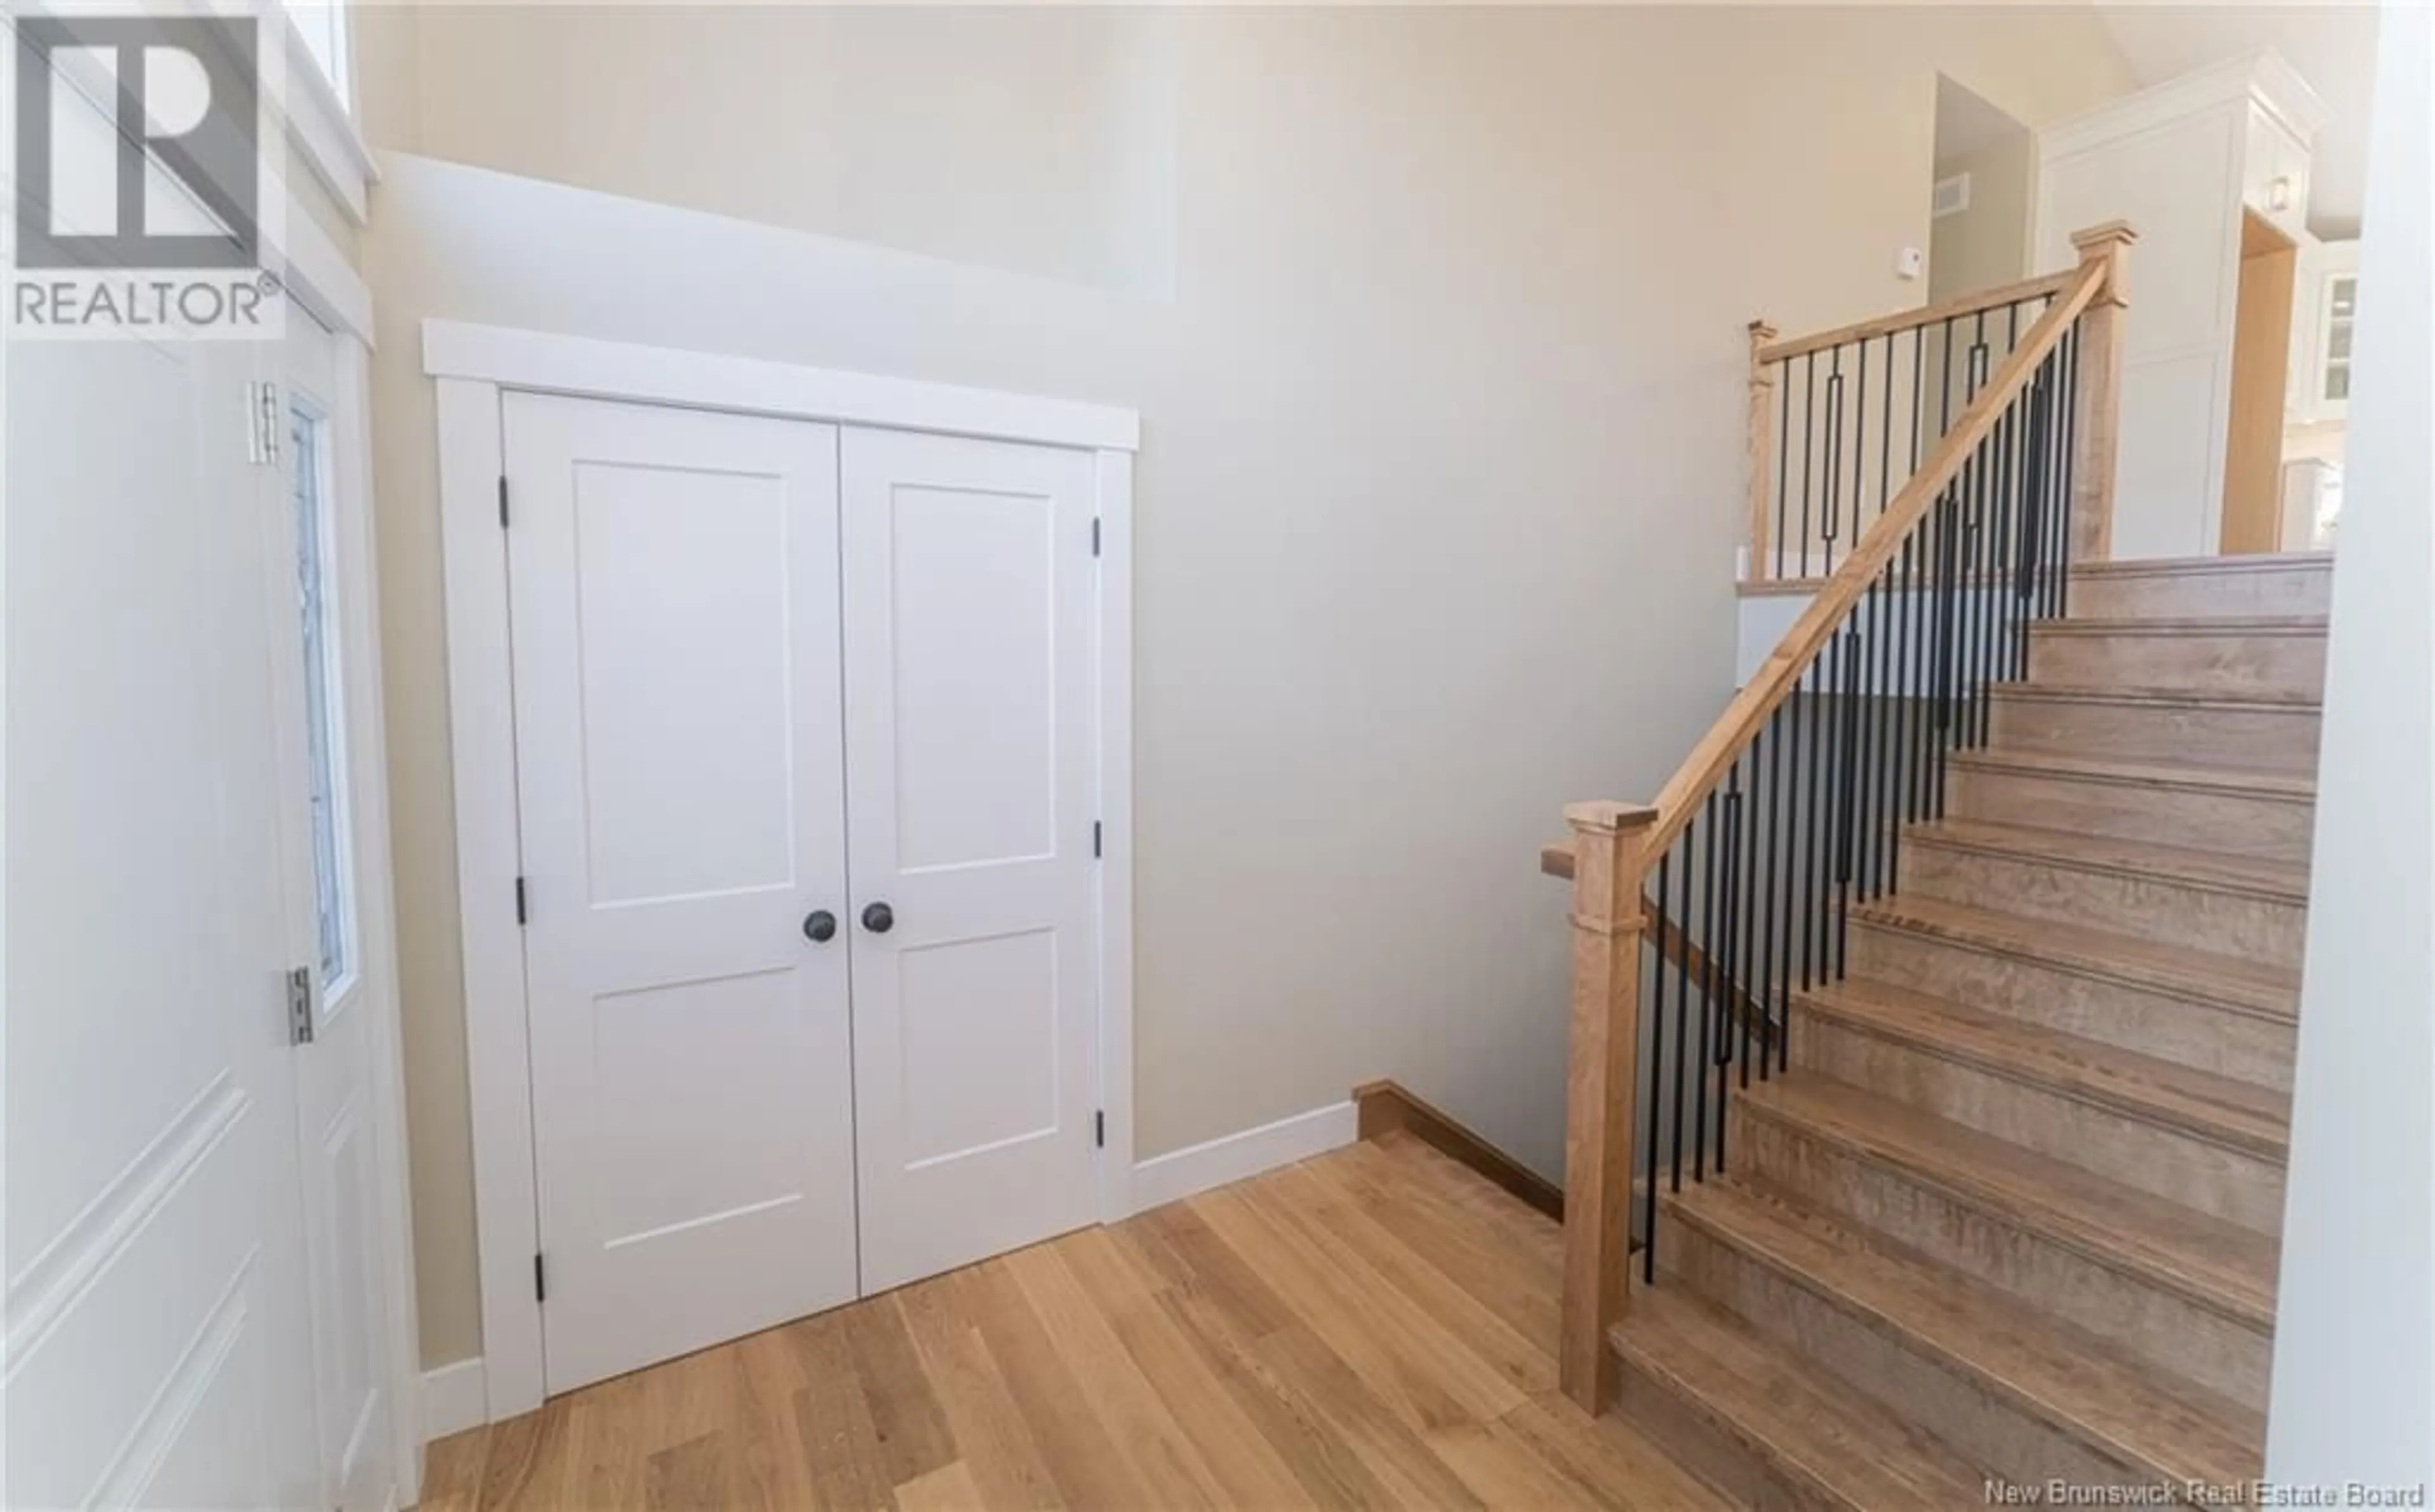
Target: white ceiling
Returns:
[2333, 45]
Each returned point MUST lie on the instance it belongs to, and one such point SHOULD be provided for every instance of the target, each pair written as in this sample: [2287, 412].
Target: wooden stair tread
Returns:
[2237, 1114]
[2249, 987]
[2183, 624]
[2239, 781]
[2281, 881]
[2273, 699]
[2250, 561]
[2205, 1259]
[1776, 1404]
[2156, 1424]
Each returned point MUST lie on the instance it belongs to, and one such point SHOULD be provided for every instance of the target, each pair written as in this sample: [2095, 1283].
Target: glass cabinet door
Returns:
[2342, 306]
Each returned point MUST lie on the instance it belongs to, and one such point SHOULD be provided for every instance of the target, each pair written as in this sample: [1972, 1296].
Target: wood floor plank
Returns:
[1618, 1464]
[1396, 1452]
[1331, 1474]
[1249, 1469]
[1072, 1439]
[451, 1472]
[1331, 1304]
[847, 1457]
[697, 1475]
[1161, 1454]
[1374, 1327]
[914, 1439]
[995, 1442]
[948, 1488]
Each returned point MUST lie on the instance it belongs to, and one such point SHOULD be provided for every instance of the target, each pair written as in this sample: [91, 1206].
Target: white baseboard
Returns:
[1181, 1173]
[455, 1397]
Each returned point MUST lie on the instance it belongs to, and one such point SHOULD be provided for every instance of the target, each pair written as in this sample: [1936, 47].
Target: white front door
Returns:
[673, 582]
[969, 678]
[157, 1353]
[318, 544]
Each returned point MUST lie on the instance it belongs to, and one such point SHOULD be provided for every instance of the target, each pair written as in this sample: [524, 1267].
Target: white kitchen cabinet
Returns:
[2324, 308]
[2198, 167]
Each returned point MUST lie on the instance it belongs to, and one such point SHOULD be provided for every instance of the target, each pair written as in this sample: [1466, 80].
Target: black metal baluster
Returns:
[1831, 518]
[1746, 905]
[1863, 619]
[1808, 448]
[1707, 989]
[1784, 453]
[1860, 447]
[2070, 474]
[1656, 1068]
[1886, 432]
[1678, 929]
[1948, 557]
[1846, 774]
[1720, 955]
[1813, 851]
[1767, 801]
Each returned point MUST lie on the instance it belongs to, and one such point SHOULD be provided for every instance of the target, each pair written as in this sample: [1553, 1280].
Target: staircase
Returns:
[1932, 1027]
[2011, 1214]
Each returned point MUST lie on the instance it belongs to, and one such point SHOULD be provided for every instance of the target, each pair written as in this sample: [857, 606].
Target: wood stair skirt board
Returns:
[1387, 1106]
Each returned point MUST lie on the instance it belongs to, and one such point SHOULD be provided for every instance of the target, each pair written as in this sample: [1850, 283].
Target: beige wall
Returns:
[1441, 441]
[1989, 243]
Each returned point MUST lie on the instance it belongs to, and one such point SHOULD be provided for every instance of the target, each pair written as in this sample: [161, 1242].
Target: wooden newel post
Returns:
[1609, 860]
[1762, 444]
[2097, 423]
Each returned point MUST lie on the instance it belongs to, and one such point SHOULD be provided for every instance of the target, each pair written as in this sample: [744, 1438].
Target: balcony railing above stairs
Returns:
[1954, 513]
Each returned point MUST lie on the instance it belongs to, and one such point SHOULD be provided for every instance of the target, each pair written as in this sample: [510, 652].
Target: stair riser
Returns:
[2180, 1167]
[2269, 739]
[1740, 1470]
[2153, 1024]
[2307, 589]
[2232, 923]
[1915, 1384]
[2238, 661]
[2235, 823]
[2153, 1322]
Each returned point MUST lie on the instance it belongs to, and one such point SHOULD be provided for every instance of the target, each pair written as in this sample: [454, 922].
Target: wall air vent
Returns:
[1951, 196]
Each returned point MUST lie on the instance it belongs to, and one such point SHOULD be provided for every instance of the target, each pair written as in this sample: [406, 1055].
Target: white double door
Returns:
[807, 771]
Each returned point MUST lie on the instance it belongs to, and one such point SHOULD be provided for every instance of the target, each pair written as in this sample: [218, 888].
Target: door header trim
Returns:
[546, 362]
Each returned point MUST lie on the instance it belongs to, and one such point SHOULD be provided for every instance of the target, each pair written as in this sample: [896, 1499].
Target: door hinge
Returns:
[262, 423]
[541, 1282]
[1095, 838]
[503, 501]
[1099, 1129]
[1095, 534]
[300, 1006]
[521, 913]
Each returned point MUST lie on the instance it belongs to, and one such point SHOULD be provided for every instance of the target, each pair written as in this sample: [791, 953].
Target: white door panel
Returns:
[968, 586]
[335, 1074]
[156, 1352]
[673, 580]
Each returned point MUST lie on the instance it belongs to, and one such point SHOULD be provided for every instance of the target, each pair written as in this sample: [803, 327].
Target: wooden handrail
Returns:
[1953, 309]
[1776, 676]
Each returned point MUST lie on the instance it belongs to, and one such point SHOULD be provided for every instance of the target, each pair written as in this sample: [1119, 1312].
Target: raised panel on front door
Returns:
[969, 656]
[674, 584]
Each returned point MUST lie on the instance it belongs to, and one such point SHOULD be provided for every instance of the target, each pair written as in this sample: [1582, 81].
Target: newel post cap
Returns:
[2097, 241]
[1607, 817]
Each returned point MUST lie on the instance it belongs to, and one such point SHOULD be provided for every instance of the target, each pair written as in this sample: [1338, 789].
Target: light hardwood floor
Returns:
[1374, 1327]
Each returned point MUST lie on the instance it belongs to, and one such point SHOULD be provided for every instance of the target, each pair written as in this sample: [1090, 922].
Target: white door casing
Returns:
[969, 625]
[315, 525]
[156, 1354]
[674, 582]
[479, 371]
